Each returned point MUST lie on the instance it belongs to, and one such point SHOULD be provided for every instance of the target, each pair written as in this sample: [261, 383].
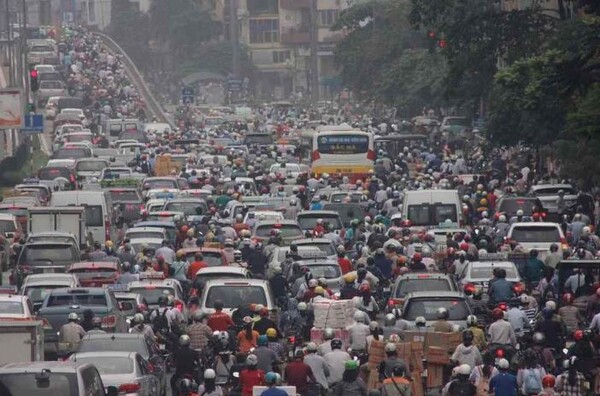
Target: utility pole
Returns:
[24, 36]
[233, 33]
[314, 48]
[9, 46]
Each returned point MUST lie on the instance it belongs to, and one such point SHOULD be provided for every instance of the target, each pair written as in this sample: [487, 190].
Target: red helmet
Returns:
[417, 257]
[497, 313]
[184, 229]
[567, 298]
[578, 335]
[464, 246]
[301, 188]
[365, 288]
[548, 381]
[451, 251]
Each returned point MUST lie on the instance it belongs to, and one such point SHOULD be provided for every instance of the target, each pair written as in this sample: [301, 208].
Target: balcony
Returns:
[294, 4]
[293, 36]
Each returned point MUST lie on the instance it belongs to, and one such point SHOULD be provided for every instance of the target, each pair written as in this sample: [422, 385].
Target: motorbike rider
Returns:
[504, 383]
[138, 325]
[267, 358]
[318, 365]
[544, 354]
[274, 344]
[552, 326]
[280, 287]
[96, 326]
[71, 333]
[271, 382]
[462, 385]
[251, 376]
[336, 360]
[501, 332]
[570, 313]
[442, 324]
[500, 290]
[478, 334]
[389, 326]
[517, 318]
[187, 361]
[299, 374]
[199, 332]
[467, 353]
[390, 362]
[325, 346]
[358, 333]
[264, 323]
[396, 384]
[219, 320]
[209, 388]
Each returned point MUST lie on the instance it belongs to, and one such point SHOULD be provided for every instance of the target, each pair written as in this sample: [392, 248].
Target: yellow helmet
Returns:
[349, 278]
[271, 333]
[319, 290]
[108, 244]
[180, 253]
[483, 202]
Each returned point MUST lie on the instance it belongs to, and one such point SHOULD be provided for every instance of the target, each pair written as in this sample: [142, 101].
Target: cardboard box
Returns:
[435, 375]
[437, 355]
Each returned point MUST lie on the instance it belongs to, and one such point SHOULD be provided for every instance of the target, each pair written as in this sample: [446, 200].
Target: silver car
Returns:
[427, 303]
[127, 371]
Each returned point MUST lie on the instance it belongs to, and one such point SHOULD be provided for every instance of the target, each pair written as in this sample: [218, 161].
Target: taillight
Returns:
[292, 339]
[519, 288]
[499, 353]
[129, 388]
[315, 155]
[109, 322]
[46, 324]
[469, 289]
[371, 155]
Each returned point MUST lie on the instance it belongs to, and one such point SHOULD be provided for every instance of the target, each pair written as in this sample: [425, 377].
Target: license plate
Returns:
[48, 271]
[161, 346]
[386, 289]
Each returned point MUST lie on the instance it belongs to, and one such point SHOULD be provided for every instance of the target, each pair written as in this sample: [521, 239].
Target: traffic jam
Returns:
[283, 250]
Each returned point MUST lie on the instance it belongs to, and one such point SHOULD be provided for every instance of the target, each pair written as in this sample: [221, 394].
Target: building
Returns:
[277, 34]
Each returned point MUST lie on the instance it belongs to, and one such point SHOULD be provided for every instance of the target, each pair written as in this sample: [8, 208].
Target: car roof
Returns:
[155, 229]
[541, 186]
[536, 224]
[47, 243]
[99, 264]
[223, 282]
[121, 354]
[112, 336]
[317, 261]
[309, 241]
[225, 270]
[12, 297]
[273, 222]
[154, 282]
[51, 233]
[32, 277]
[425, 275]
[36, 367]
[318, 212]
[435, 293]
[163, 224]
[70, 290]
[145, 240]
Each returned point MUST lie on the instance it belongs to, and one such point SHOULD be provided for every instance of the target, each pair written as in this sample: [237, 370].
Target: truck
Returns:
[21, 341]
[69, 219]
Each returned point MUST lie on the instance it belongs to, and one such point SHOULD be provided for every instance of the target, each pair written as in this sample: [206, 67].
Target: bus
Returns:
[346, 152]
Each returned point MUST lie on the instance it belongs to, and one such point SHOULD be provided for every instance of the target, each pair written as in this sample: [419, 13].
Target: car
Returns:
[325, 245]
[78, 137]
[20, 212]
[53, 378]
[146, 232]
[95, 273]
[347, 211]
[510, 205]
[128, 342]
[151, 287]
[115, 172]
[289, 230]
[52, 236]
[413, 282]
[48, 88]
[10, 228]
[38, 286]
[35, 185]
[127, 371]
[67, 163]
[235, 293]
[46, 257]
[307, 220]
[537, 235]
[427, 303]
[172, 229]
[169, 216]
[59, 303]
[440, 234]
[320, 268]
[73, 112]
[161, 183]
[14, 306]
[477, 274]
[262, 215]
[288, 170]
[213, 257]
[190, 207]
[67, 128]
[229, 272]
[90, 167]
[548, 194]
[72, 151]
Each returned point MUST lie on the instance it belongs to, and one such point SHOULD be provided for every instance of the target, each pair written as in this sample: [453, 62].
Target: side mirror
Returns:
[112, 391]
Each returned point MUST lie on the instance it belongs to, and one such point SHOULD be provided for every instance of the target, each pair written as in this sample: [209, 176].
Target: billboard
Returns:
[11, 109]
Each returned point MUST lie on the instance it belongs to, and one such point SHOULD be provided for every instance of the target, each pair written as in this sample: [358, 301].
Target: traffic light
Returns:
[31, 107]
[33, 81]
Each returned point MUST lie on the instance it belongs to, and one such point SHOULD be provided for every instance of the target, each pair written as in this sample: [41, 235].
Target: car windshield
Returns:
[347, 212]
[327, 271]
[324, 247]
[53, 173]
[93, 216]
[144, 234]
[287, 230]
[432, 214]
[81, 299]
[38, 293]
[7, 226]
[524, 234]
[71, 152]
[80, 137]
[93, 273]
[16, 384]
[457, 308]
[217, 275]
[410, 285]
[234, 296]
[161, 184]
[261, 139]
[151, 293]
[51, 85]
[124, 196]
[40, 254]
[510, 206]
[486, 272]
[309, 221]
[550, 191]
[90, 166]
[11, 308]
[108, 364]
[188, 208]
[113, 344]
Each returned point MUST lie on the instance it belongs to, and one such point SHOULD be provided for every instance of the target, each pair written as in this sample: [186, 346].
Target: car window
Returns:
[90, 166]
[523, 234]
[287, 230]
[549, 191]
[11, 307]
[16, 384]
[109, 364]
[486, 272]
[92, 383]
[328, 271]
[93, 216]
[38, 293]
[235, 296]
[412, 285]
[151, 293]
[188, 208]
[77, 299]
[124, 195]
[309, 221]
[116, 344]
[46, 254]
[457, 308]
[510, 206]
[7, 226]
[432, 214]
[53, 173]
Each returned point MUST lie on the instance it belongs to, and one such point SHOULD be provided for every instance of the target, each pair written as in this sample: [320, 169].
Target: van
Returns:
[114, 127]
[98, 211]
[432, 208]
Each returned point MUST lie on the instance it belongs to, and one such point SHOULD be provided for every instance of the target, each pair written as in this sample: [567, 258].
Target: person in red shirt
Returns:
[198, 264]
[299, 374]
[251, 376]
[345, 264]
[319, 229]
[219, 321]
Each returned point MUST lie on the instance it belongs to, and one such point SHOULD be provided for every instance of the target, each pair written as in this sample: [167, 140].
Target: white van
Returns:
[432, 208]
[98, 211]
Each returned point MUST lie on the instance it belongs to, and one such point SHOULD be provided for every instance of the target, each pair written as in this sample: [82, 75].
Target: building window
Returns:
[264, 31]
[328, 17]
[91, 11]
[263, 7]
[281, 56]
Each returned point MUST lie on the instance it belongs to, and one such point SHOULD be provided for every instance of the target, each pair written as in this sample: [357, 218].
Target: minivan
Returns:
[98, 211]
[430, 208]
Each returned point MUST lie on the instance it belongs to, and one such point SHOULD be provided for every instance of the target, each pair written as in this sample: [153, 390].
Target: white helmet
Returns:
[311, 347]
[252, 360]
[502, 219]
[359, 317]
[471, 320]
[464, 369]
[520, 212]
[390, 347]
[329, 334]
[302, 306]
[313, 283]
[373, 326]
[503, 364]
[209, 374]
[73, 316]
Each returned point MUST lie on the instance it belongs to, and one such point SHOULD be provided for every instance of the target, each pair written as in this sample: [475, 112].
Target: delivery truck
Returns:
[69, 219]
[21, 341]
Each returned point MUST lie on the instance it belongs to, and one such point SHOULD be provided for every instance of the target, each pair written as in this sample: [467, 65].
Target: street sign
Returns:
[33, 123]
[11, 108]
[234, 84]
[187, 95]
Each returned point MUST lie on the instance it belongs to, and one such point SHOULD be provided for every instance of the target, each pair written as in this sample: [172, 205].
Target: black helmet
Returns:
[467, 336]
[163, 300]
[336, 343]
[294, 248]
[361, 272]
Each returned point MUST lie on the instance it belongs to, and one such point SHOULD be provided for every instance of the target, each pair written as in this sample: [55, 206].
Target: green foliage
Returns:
[131, 29]
[216, 57]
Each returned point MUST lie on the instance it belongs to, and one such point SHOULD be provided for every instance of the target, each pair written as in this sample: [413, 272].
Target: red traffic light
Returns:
[431, 35]
[442, 43]
[33, 74]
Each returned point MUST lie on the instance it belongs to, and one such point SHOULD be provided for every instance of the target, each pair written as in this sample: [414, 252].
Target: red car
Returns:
[95, 273]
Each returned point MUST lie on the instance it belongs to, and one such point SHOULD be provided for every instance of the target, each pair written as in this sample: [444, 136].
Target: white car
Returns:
[262, 215]
[15, 306]
[127, 371]
[139, 243]
[548, 194]
[477, 274]
[37, 286]
[152, 286]
[50, 88]
[235, 293]
[74, 112]
[66, 162]
[539, 236]
[146, 232]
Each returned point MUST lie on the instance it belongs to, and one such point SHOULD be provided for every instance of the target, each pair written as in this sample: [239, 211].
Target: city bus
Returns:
[342, 152]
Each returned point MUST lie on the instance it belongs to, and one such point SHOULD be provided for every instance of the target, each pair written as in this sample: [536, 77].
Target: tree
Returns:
[130, 28]
[216, 57]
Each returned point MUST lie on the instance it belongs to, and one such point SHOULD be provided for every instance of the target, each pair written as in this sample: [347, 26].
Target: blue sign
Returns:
[33, 123]
[187, 95]
[234, 84]
[343, 144]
